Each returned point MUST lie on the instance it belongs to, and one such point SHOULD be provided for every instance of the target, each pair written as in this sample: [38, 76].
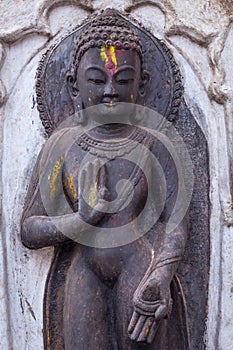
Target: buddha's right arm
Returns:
[37, 228]
[40, 230]
[43, 231]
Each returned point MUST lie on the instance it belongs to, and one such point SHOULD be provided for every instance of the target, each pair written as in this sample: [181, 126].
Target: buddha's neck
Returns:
[111, 131]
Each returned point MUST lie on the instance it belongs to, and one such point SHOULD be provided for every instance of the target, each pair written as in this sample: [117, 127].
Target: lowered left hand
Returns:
[152, 302]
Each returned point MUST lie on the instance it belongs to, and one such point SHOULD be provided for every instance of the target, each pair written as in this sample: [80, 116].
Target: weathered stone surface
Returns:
[201, 42]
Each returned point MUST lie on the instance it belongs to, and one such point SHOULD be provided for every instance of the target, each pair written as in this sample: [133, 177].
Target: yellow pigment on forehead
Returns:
[103, 54]
[108, 53]
[113, 54]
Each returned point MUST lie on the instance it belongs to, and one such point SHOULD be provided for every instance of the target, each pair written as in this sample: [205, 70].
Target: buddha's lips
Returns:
[109, 57]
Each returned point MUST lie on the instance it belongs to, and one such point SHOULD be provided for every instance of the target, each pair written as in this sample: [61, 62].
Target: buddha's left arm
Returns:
[152, 299]
[173, 219]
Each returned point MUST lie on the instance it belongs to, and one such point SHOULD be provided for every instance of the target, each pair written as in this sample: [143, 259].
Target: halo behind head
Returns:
[163, 93]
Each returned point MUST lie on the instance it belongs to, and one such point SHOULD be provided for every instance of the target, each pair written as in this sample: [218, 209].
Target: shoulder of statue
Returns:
[62, 139]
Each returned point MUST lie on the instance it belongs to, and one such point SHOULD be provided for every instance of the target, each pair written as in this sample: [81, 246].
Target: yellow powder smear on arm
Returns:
[54, 177]
[71, 185]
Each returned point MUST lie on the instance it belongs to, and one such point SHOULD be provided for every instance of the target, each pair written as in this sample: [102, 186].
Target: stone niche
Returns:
[200, 40]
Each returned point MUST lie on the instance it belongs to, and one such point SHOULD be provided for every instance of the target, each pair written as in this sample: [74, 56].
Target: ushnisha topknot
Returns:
[106, 29]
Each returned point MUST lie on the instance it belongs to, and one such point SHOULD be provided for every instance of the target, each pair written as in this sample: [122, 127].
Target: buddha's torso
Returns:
[110, 262]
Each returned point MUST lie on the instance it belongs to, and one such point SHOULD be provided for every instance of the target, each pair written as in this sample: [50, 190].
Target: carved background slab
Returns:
[200, 38]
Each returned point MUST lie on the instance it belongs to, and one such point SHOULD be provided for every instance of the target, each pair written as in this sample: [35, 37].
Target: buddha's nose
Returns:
[110, 90]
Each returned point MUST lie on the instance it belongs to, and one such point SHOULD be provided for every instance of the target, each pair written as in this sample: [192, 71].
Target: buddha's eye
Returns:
[124, 81]
[96, 81]
[95, 76]
[125, 76]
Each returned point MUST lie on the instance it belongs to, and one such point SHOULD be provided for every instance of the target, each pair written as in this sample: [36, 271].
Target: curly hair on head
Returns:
[105, 30]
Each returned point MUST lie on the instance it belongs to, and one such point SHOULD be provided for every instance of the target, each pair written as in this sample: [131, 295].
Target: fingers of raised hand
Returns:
[102, 179]
[93, 176]
[82, 180]
[93, 192]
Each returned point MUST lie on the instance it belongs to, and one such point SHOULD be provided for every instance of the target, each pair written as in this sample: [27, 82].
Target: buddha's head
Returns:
[107, 63]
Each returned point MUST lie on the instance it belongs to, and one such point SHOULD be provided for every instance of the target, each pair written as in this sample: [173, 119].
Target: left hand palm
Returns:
[152, 302]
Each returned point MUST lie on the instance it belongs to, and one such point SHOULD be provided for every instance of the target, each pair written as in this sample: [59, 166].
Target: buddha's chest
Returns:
[125, 181]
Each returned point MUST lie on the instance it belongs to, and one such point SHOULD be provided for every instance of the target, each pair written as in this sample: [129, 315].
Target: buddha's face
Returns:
[108, 75]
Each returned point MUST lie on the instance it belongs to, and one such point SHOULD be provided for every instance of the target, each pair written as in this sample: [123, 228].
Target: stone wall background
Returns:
[200, 36]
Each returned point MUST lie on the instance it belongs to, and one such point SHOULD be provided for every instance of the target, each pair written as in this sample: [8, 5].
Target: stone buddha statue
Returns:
[112, 284]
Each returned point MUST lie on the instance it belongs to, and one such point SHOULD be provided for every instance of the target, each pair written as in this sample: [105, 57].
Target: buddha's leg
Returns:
[85, 310]
[127, 283]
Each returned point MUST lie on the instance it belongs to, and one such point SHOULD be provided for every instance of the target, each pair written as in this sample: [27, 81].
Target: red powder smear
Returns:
[110, 65]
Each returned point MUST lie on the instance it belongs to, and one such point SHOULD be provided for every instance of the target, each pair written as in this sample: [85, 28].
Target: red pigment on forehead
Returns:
[110, 65]
[109, 57]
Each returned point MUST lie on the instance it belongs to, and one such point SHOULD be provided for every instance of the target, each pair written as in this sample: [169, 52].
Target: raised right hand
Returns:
[93, 193]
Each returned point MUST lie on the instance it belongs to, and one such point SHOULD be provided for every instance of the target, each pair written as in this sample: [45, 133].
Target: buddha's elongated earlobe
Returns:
[78, 103]
[76, 98]
[74, 92]
[72, 85]
[78, 109]
[145, 78]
